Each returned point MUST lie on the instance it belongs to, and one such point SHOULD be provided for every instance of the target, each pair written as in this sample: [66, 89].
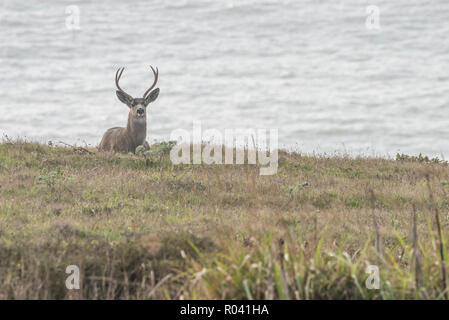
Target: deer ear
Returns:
[124, 97]
[152, 96]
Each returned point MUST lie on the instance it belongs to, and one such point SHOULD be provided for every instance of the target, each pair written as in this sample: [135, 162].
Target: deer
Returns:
[125, 140]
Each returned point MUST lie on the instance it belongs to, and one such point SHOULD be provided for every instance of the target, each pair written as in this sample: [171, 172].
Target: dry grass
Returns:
[142, 228]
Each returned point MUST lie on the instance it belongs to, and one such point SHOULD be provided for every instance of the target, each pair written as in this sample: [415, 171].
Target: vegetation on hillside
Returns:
[140, 227]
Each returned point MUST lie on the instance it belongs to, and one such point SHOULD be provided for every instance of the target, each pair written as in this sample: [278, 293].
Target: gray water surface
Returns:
[312, 69]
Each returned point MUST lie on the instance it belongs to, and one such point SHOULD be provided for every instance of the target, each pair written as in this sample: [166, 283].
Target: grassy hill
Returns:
[139, 227]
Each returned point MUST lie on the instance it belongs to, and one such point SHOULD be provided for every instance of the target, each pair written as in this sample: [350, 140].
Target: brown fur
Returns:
[127, 139]
[124, 140]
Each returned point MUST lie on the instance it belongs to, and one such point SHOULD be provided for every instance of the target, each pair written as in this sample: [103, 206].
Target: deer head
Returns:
[137, 106]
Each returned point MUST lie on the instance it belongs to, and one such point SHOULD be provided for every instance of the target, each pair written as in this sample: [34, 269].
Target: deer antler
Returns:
[118, 75]
[156, 74]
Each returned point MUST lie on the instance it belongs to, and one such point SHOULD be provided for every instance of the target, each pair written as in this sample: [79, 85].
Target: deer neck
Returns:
[136, 129]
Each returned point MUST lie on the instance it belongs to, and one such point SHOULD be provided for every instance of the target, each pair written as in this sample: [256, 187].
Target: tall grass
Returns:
[141, 228]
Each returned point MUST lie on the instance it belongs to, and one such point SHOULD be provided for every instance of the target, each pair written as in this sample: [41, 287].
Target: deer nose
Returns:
[140, 111]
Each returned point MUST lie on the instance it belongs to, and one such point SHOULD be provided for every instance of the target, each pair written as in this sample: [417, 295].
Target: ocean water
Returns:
[312, 69]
